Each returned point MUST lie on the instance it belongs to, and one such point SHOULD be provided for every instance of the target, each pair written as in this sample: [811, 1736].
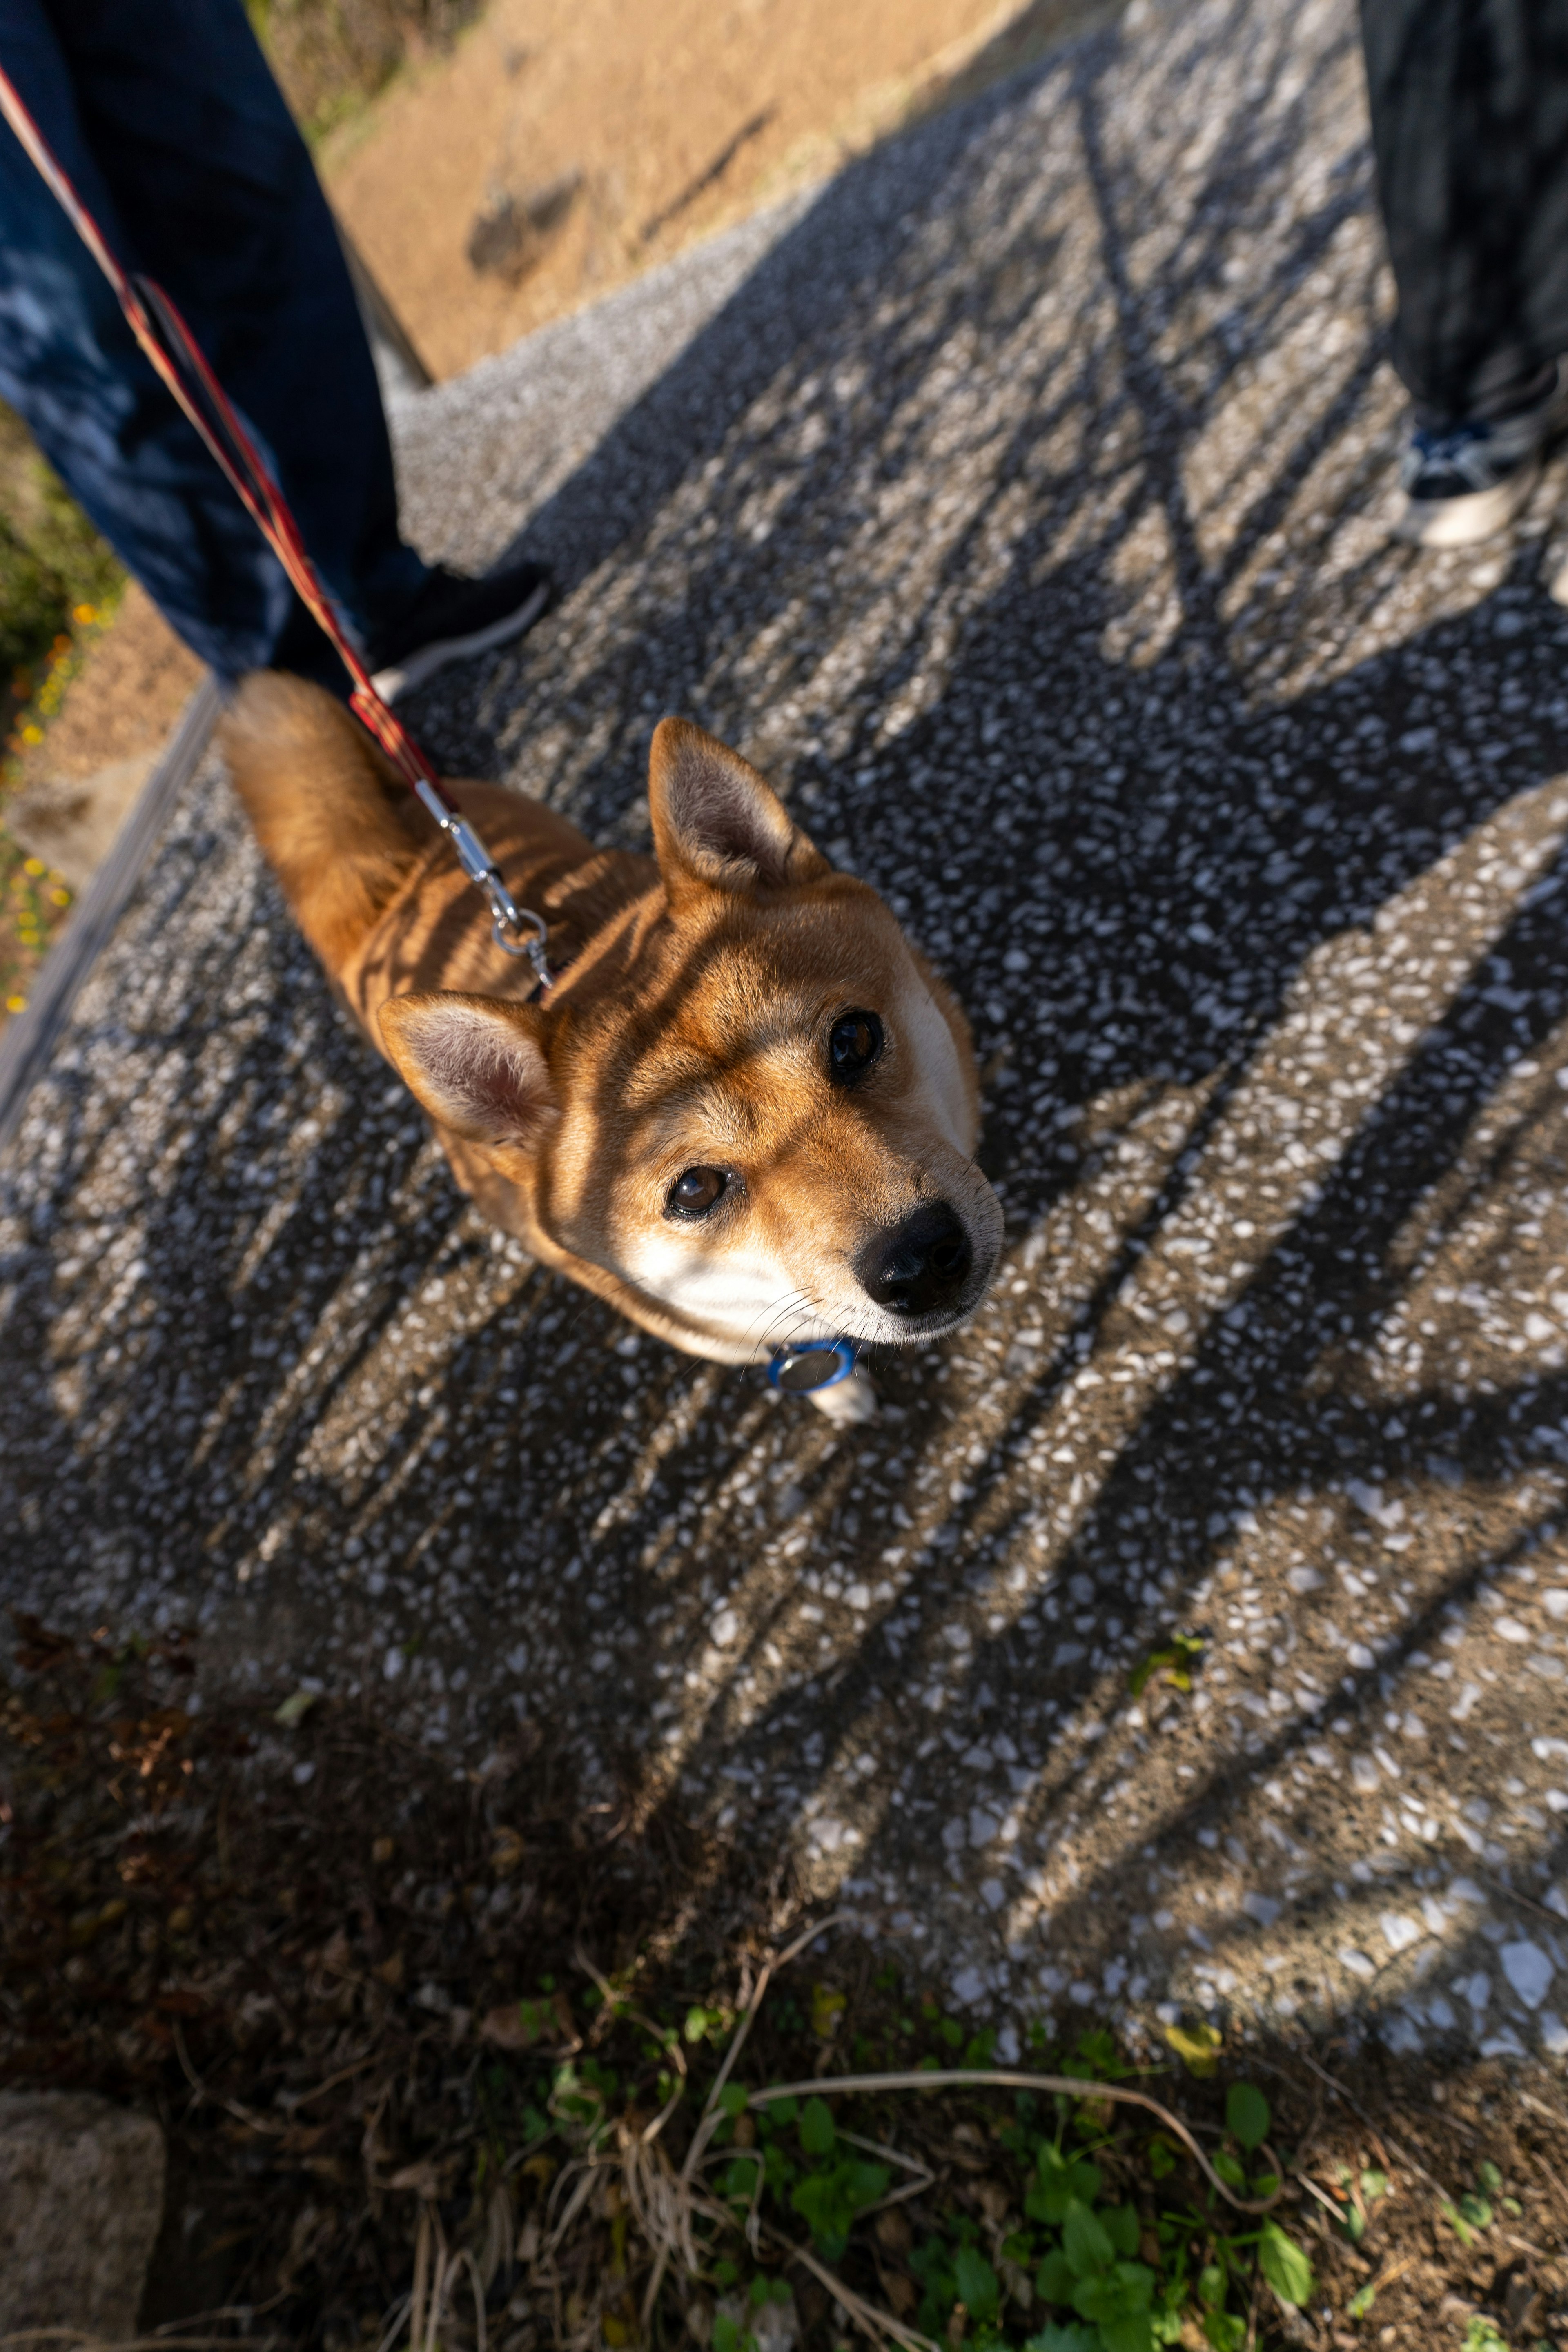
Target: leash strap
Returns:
[155, 321]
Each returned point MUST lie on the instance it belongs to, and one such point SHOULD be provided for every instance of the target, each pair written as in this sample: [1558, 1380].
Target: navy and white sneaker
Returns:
[1467, 481]
[452, 618]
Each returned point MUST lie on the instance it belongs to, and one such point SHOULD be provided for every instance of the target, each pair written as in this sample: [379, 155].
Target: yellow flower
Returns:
[84, 616]
[59, 897]
[34, 866]
[32, 734]
[15, 1004]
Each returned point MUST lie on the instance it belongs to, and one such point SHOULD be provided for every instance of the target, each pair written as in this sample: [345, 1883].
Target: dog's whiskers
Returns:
[791, 1305]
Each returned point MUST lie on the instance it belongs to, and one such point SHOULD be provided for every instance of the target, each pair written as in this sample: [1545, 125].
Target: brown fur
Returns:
[685, 1028]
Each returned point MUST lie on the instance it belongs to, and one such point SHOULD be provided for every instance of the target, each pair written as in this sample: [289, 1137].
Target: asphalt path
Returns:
[1018, 502]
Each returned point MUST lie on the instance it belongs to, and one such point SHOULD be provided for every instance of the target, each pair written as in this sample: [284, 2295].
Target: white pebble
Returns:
[1529, 1970]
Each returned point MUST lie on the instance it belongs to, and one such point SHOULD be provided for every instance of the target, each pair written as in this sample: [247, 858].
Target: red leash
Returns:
[157, 325]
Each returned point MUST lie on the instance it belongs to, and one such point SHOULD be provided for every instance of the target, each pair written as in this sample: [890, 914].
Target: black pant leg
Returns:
[1469, 121]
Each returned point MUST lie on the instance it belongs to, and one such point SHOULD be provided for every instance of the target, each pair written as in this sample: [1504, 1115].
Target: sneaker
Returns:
[452, 618]
[1465, 482]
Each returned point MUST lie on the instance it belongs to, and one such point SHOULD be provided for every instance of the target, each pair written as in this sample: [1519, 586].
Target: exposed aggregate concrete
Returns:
[1019, 506]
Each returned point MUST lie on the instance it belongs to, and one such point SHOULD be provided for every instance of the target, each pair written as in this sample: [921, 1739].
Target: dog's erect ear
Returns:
[476, 1063]
[716, 821]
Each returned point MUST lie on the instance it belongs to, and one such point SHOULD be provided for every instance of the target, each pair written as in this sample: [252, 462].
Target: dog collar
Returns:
[798, 1371]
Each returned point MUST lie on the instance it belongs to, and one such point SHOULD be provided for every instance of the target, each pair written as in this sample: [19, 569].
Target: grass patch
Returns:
[59, 585]
[53, 564]
[331, 57]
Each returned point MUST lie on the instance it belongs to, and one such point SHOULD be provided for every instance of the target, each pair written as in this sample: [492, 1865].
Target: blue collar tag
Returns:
[821, 1364]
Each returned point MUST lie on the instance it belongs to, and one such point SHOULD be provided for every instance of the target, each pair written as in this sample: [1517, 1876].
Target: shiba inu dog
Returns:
[744, 1111]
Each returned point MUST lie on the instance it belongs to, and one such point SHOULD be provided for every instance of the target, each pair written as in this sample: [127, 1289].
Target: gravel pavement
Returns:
[1018, 503]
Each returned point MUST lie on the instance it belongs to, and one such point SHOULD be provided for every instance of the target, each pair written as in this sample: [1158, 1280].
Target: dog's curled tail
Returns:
[337, 826]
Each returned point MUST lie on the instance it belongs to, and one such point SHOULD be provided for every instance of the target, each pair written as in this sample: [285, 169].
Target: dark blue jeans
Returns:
[165, 116]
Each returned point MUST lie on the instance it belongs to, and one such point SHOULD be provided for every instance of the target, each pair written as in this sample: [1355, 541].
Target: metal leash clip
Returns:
[528, 930]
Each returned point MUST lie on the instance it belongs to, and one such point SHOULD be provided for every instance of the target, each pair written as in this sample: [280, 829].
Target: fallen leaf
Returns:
[418, 2177]
[294, 1708]
[518, 2025]
[828, 2006]
[506, 1853]
[899, 2290]
[1197, 2046]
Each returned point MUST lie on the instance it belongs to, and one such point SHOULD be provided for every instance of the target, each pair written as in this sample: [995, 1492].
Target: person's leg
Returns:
[1470, 117]
[220, 204]
[165, 114]
[70, 365]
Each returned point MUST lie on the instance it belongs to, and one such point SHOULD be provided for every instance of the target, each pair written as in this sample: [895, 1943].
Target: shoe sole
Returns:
[1464, 522]
[401, 677]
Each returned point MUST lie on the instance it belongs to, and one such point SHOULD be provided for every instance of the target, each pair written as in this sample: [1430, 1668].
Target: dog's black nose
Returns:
[921, 1265]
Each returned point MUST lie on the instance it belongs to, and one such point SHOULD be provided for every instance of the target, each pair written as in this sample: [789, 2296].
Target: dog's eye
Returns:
[696, 1190]
[854, 1043]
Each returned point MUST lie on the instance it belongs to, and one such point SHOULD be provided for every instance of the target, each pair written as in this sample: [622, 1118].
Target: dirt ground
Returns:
[133, 686]
[665, 124]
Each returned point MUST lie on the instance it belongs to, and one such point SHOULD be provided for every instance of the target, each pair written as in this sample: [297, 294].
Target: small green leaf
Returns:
[1130, 2331]
[1211, 2288]
[1361, 2302]
[733, 2099]
[1053, 2279]
[1162, 2159]
[976, 2283]
[1246, 2114]
[294, 1708]
[1354, 2224]
[1084, 2241]
[726, 2333]
[1224, 2331]
[1476, 2211]
[1284, 2266]
[1232, 2174]
[1374, 2185]
[1486, 2174]
[1123, 2229]
[816, 2133]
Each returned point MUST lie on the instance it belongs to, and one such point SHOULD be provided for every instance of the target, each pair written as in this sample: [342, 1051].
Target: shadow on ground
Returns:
[1019, 518]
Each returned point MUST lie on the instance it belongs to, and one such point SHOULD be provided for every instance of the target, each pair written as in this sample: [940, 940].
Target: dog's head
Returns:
[759, 1118]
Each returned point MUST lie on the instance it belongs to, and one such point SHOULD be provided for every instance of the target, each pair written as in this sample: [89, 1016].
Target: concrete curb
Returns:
[28, 1042]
